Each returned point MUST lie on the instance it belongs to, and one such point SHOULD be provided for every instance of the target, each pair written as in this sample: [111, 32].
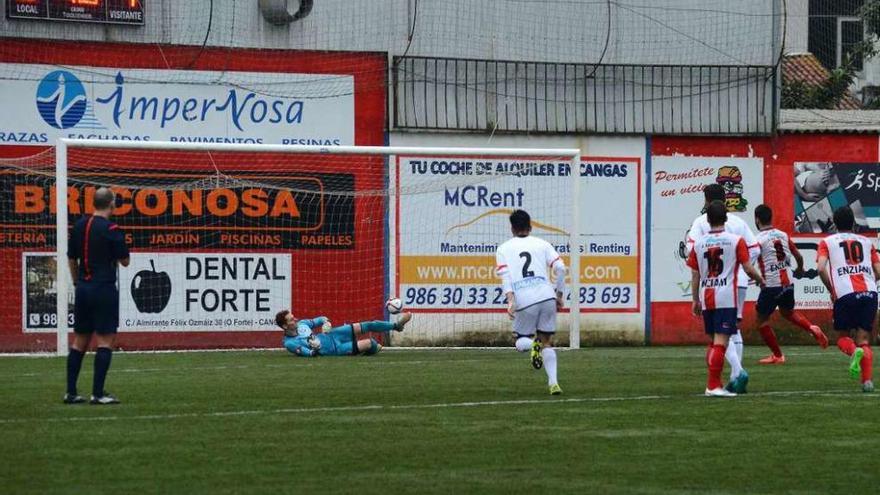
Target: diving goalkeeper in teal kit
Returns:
[301, 338]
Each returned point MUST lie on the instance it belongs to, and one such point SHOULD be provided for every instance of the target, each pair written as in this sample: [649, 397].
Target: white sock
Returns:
[737, 341]
[524, 344]
[733, 359]
[549, 356]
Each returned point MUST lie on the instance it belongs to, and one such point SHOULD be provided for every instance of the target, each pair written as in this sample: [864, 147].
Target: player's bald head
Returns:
[103, 199]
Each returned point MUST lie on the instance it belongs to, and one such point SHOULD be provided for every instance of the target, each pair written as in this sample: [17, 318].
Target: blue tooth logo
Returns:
[61, 99]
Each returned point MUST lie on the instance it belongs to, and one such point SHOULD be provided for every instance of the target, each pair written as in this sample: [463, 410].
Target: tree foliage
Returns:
[829, 94]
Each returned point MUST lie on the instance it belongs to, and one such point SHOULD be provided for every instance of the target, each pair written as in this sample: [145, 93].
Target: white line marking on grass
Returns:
[27, 354]
[441, 405]
[809, 353]
[43, 354]
[160, 351]
[460, 348]
[298, 364]
[385, 349]
[301, 410]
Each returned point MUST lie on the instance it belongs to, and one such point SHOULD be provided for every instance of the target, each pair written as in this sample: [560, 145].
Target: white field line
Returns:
[300, 363]
[297, 364]
[303, 410]
[441, 405]
[399, 349]
[269, 349]
[167, 351]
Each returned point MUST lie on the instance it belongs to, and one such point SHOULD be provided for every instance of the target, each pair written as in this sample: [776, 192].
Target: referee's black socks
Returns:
[102, 364]
[74, 364]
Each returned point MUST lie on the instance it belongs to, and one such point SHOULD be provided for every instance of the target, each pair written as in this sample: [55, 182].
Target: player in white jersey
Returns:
[715, 261]
[523, 264]
[777, 251]
[849, 267]
[739, 378]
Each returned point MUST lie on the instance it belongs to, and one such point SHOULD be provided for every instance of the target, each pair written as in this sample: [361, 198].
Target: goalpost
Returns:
[222, 231]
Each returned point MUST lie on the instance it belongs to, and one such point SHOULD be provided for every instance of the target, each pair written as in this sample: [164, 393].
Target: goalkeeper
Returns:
[301, 338]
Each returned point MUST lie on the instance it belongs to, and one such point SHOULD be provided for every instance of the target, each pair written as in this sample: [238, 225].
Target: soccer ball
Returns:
[393, 305]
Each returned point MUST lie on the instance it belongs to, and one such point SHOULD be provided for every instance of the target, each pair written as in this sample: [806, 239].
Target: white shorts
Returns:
[740, 301]
[539, 316]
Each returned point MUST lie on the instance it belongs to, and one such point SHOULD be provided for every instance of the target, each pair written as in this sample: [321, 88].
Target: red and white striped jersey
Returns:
[850, 263]
[717, 256]
[775, 258]
[734, 225]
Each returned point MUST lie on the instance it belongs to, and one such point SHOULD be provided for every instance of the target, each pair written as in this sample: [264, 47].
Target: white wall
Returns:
[797, 26]
[671, 32]
[660, 31]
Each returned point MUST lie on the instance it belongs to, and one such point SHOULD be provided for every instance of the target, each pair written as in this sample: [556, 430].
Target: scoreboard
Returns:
[100, 11]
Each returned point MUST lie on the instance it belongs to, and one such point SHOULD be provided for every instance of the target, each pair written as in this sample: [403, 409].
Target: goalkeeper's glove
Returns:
[326, 326]
[314, 343]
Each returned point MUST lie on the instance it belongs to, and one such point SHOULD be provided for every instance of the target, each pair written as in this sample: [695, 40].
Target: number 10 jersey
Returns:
[850, 263]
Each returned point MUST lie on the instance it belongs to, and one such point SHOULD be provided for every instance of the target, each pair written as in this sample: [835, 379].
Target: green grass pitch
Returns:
[631, 420]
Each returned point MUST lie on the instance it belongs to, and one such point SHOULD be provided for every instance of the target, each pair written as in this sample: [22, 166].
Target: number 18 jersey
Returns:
[850, 263]
[523, 264]
[775, 258]
[717, 256]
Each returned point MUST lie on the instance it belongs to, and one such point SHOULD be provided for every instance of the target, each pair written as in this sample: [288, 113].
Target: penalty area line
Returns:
[398, 407]
[234, 367]
[331, 409]
[43, 354]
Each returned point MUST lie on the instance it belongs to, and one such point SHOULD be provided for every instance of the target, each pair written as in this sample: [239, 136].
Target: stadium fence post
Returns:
[574, 315]
[61, 288]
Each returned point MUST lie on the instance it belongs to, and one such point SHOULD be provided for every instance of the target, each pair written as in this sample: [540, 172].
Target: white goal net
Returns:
[224, 236]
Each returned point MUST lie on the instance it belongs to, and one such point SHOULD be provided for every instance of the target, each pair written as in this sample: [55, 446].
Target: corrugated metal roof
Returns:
[842, 121]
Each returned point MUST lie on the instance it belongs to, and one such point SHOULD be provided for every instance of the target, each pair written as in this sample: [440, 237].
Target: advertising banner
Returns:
[822, 187]
[38, 294]
[677, 199]
[151, 105]
[173, 292]
[178, 209]
[809, 292]
[447, 234]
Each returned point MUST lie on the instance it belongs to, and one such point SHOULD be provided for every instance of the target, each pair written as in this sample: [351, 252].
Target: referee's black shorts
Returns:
[96, 308]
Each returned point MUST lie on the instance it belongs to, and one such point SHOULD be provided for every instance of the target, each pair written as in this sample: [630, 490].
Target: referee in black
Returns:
[96, 247]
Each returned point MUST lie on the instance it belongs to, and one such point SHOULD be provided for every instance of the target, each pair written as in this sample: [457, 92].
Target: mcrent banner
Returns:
[174, 105]
[447, 235]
